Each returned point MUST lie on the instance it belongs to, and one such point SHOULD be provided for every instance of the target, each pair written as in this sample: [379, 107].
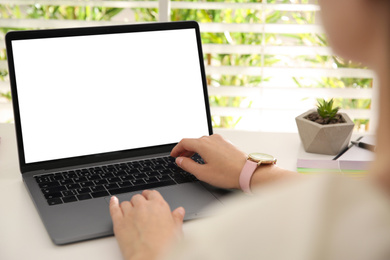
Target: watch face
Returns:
[265, 158]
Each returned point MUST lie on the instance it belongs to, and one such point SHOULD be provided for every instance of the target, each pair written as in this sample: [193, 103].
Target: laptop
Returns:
[97, 112]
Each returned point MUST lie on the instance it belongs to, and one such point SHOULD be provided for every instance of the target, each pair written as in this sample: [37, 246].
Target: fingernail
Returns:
[181, 211]
[179, 160]
[114, 199]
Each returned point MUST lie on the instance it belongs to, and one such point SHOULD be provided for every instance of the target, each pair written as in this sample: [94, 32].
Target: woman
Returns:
[310, 218]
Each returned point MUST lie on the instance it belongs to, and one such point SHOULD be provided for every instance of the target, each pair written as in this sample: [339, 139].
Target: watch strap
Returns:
[246, 175]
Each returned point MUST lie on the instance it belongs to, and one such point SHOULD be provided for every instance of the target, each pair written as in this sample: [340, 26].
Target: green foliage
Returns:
[3, 74]
[6, 95]
[325, 109]
[38, 11]
[88, 13]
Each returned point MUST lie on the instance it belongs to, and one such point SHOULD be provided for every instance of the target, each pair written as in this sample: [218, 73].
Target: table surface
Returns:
[23, 235]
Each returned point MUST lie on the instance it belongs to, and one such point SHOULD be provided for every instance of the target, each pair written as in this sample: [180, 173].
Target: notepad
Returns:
[355, 153]
[308, 166]
[355, 162]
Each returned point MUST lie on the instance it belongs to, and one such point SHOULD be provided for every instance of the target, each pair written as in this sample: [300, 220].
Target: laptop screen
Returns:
[84, 95]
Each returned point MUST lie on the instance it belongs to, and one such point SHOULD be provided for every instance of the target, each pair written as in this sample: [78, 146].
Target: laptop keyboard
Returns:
[94, 182]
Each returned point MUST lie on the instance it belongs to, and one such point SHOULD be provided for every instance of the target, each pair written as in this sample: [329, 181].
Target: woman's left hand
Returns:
[145, 225]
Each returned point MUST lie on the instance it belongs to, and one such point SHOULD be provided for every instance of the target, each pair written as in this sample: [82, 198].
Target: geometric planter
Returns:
[324, 139]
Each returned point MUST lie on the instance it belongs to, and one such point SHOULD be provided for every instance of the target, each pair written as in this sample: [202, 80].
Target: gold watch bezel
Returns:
[262, 158]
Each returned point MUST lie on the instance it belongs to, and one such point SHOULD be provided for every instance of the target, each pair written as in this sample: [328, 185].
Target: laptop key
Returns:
[164, 171]
[53, 195]
[84, 196]
[109, 167]
[48, 184]
[58, 177]
[107, 175]
[72, 174]
[67, 181]
[69, 199]
[86, 184]
[100, 194]
[67, 193]
[83, 190]
[100, 182]
[153, 174]
[54, 201]
[125, 184]
[94, 177]
[135, 165]
[121, 168]
[66, 176]
[159, 161]
[53, 190]
[42, 179]
[97, 188]
[146, 163]
[151, 180]
[111, 186]
[170, 166]
[141, 187]
[145, 169]
[84, 174]
[80, 179]
[139, 176]
[132, 171]
[100, 171]
[73, 186]
[127, 178]
[138, 182]
[121, 173]
[113, 180]
[158, 167]
[164, 178]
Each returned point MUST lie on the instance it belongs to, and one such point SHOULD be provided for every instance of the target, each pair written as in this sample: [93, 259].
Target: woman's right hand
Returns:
[223, 161]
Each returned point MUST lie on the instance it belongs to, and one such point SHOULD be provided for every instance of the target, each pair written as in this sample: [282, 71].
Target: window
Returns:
[267, 61]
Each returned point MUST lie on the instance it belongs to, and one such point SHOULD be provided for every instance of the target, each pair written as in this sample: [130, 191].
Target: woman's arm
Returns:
[223, 163]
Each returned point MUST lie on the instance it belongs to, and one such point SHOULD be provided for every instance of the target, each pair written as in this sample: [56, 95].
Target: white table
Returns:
[23, 236]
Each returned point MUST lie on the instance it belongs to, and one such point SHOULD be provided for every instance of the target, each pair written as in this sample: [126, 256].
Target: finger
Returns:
[151, 194]
[115, 210]
[137, 200]
[187, 154]
[184, 146]
[178, 216]
[189, 165]
[126, 207]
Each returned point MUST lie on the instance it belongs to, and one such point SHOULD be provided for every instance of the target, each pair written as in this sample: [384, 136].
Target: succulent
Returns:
[325, 109]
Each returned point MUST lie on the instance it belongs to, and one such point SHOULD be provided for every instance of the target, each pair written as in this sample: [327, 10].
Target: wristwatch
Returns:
[253, 161]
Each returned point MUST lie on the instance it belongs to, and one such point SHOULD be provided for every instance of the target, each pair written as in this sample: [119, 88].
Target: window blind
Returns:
[266, 61]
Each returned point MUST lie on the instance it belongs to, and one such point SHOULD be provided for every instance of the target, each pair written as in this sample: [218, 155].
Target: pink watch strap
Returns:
[246, 175]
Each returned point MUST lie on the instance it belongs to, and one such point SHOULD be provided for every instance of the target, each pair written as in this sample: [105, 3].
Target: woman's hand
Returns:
[145, 226]
[223, 161]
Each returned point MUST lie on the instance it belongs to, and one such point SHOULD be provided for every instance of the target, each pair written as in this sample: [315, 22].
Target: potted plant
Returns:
[324, 130]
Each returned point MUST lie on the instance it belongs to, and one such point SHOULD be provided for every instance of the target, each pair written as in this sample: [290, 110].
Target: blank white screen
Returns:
[93, 94]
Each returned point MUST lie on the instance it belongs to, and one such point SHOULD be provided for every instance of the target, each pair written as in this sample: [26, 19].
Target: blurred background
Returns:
[267, 61]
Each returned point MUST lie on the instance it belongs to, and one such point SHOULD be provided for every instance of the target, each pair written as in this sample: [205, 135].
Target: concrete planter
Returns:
[324, 139]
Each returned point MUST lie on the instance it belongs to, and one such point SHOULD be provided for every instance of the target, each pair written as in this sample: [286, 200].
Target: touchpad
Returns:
[192, 196]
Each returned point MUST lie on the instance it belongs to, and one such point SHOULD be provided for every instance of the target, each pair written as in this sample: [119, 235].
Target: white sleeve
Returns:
[320, 218]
